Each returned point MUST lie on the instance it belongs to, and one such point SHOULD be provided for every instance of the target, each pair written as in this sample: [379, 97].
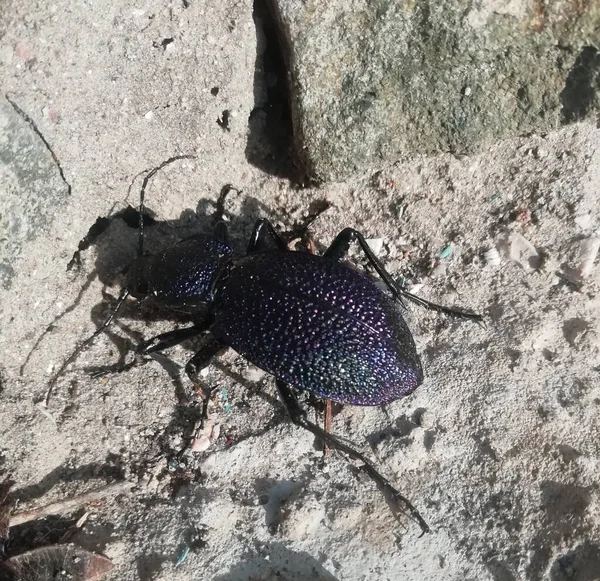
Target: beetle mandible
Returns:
[314, 322]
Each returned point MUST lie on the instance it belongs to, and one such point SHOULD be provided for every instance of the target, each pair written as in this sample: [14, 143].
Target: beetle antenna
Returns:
[141, 210]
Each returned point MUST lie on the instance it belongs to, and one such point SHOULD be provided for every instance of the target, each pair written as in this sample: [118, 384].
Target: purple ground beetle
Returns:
[314, 322]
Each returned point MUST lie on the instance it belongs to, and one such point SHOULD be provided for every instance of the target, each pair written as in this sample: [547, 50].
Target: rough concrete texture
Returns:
[499, 448]
[371, 81]
[32, 188]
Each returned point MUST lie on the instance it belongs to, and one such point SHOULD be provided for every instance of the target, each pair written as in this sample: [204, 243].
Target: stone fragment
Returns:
[31, 188]
[375, 244]
[587, 255]
[584, 221]
[518, 249]
[492, 257]
[371, 81]
[207, 436]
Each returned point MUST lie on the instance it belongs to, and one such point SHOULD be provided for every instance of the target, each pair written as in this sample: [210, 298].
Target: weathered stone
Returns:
[372, 80]
[31, 187]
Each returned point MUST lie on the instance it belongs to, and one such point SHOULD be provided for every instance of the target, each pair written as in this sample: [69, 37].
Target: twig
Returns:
[70, 504]
[326, 449]
[33, 126]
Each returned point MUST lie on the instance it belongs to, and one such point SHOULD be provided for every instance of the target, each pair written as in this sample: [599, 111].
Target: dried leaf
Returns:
[55, 563]
[5, 489]
[5, 508]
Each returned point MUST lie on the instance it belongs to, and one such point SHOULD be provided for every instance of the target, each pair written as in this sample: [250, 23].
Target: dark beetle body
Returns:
[314, 322]
[319, 325]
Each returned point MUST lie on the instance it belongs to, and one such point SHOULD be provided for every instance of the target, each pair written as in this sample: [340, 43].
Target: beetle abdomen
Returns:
[320, 326]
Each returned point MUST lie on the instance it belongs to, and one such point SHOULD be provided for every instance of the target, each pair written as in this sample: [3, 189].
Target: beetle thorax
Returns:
[182, 276]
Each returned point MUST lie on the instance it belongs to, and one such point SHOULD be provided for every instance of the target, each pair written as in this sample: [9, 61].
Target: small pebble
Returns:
[518, 249]
[200, 444]
[254, 374]
[492, 257]
[587, 255]
[439, 269]
[207, 436]
[584, 221]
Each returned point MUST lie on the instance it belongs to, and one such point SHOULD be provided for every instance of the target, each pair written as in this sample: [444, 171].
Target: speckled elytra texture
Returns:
[319, 325]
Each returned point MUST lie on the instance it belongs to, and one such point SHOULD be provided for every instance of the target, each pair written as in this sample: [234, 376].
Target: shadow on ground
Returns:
[276, 561]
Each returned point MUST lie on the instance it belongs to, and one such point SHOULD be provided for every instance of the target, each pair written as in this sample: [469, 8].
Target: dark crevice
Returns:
[223, 120]
[270, 140]
[582, 87]
[164, 43]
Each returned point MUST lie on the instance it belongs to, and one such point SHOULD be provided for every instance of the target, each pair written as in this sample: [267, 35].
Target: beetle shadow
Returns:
[275, 560]
[111, 469]
[117, 247]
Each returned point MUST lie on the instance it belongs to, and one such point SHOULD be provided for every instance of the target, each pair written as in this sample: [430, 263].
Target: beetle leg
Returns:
[170, 339]
[221, 231]
[198, 362]
[84, 345]
[152, 345]
[263, 227]
[147, 178]
[298, 416]
[210, 348]
[339, 247]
